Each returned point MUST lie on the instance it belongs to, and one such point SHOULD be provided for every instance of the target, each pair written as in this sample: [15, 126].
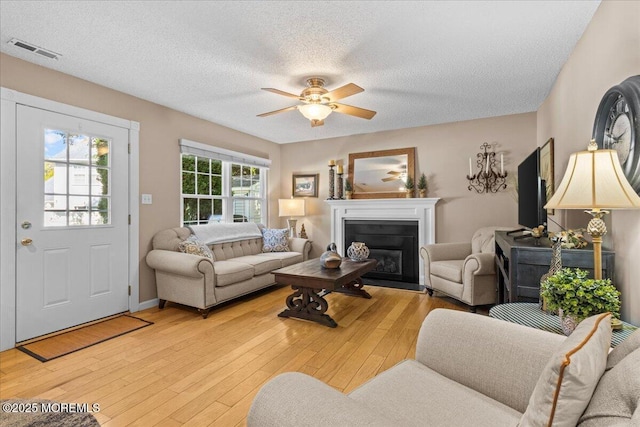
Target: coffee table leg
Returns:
[354, 289]
[305, 303]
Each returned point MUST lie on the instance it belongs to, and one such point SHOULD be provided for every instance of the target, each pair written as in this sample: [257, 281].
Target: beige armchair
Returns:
[464, 271]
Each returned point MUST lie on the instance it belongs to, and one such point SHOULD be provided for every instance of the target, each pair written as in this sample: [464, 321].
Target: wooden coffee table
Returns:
[310, 283]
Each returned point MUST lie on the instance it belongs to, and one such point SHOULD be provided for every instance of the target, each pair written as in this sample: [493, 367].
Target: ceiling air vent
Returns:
[34, 49]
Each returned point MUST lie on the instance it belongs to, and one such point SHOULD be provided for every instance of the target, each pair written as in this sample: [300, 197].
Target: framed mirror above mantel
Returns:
[381, 174]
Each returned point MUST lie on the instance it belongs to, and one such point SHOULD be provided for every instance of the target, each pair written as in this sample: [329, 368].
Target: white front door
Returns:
[72, 219]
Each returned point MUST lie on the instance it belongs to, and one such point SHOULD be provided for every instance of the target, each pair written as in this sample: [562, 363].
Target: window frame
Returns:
[228, 159]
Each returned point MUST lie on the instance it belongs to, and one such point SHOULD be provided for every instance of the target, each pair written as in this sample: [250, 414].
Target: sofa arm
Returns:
[480, 264]
[298, 244]
[445, 251]
[499, 359]
[293, 399]
[179, 263]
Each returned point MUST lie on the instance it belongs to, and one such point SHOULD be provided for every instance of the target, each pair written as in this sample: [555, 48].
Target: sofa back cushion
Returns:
[616, 400]
[229, 250]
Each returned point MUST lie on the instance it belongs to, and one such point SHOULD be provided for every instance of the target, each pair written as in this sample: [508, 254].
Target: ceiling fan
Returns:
[319, 102]
[396, 174]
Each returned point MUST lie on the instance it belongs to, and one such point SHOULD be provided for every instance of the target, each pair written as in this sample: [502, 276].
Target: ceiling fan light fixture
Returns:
[315, 111]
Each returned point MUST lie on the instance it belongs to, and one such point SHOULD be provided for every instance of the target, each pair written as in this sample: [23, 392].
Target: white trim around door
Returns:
[10, 99]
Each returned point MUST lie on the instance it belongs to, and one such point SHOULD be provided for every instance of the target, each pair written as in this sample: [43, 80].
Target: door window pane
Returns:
[76, 168]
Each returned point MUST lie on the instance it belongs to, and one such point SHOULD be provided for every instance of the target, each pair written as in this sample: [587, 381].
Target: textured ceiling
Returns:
[420, 63]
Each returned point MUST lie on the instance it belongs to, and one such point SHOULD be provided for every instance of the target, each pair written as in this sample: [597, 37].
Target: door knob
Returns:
[26, 241]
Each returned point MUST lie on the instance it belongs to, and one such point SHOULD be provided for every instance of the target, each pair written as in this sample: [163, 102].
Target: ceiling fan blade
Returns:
[278, 111]
[353, 111]
[343, 92]
[281, 92]
[393, 178]
[315, 123]
[394, 173]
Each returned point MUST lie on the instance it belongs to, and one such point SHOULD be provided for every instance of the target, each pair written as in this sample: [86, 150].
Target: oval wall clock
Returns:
[617, 126]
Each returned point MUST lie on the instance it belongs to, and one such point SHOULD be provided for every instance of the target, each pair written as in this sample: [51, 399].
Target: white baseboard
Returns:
[148, 304]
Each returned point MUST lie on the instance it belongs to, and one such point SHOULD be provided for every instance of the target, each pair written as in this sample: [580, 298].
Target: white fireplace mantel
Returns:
[409, 209]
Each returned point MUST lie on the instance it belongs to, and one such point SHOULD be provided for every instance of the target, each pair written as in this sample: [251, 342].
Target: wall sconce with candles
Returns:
[487, 180]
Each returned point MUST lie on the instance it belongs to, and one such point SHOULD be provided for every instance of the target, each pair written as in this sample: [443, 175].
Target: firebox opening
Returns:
[393, 243]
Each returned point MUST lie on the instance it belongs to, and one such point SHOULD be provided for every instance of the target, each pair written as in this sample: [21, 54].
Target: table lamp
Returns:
[291, 208]
[594, 180]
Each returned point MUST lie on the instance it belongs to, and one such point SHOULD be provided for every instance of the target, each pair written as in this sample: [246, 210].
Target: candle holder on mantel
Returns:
[331, 180]
[340, 185]
[487, 180]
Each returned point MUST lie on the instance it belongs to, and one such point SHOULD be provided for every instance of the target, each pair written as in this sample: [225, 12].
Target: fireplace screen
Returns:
[389, 261]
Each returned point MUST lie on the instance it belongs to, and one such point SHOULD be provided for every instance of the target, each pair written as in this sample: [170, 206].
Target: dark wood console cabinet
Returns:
[521, 263]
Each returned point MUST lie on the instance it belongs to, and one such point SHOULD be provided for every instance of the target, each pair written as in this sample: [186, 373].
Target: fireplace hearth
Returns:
[394, 244]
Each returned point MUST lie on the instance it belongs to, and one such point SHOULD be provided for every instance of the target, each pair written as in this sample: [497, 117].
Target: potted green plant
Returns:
[577, 297]
[422, 185]
[348, 189]
[409, 185]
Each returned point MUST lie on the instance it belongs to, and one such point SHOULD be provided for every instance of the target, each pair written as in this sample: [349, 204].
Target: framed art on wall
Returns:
[547, 170]
[305, 186]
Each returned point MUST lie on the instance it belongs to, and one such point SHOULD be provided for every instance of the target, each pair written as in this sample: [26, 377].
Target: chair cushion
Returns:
[617, 396]
[567, 382]
[230, 272]
[415, 395]
[450, 270]
[483, 240]
[275, 240]
[261, 264]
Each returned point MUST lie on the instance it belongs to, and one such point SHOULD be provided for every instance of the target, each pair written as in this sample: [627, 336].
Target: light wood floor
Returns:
[185, 370]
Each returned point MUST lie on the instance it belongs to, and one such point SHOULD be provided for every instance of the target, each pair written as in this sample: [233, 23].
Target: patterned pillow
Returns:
[193, 246]
[275, 240]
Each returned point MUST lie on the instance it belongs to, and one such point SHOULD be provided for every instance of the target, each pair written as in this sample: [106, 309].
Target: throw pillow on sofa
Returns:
[191, 245]
[275, 240]
[566, 384]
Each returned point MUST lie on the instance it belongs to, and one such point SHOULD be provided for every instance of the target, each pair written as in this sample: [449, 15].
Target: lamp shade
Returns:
[315, 111]
[291, 207]
[594, 180]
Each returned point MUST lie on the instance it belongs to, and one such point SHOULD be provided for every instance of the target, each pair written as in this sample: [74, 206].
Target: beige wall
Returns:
[607, 53]
[160, 130]
[442, 153]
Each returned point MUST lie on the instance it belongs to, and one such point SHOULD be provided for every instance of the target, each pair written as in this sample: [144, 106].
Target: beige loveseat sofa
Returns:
[238, 267]
[472, 370]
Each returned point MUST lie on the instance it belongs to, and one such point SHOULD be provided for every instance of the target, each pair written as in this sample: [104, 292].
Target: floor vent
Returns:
[34, 49]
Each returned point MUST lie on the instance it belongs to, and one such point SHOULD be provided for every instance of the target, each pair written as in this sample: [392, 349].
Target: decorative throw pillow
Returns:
[275, 240]
[191, 245]
[566, 384]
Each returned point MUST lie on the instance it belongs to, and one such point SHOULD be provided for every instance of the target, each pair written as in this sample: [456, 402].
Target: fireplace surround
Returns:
[417, 210]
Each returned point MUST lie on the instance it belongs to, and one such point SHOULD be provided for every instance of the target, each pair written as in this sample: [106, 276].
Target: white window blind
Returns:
[204, 150]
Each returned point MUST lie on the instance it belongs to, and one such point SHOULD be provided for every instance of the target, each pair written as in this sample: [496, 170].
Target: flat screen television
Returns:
[531, 192]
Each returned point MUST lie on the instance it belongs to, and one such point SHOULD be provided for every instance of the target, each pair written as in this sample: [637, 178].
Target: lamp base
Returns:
[596, 229]
[291, 223]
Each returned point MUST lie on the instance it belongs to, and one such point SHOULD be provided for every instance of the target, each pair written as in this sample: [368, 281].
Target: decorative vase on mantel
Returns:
[358, 251]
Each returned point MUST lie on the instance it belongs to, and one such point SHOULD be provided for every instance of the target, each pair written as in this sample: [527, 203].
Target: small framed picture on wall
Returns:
[305, 185]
